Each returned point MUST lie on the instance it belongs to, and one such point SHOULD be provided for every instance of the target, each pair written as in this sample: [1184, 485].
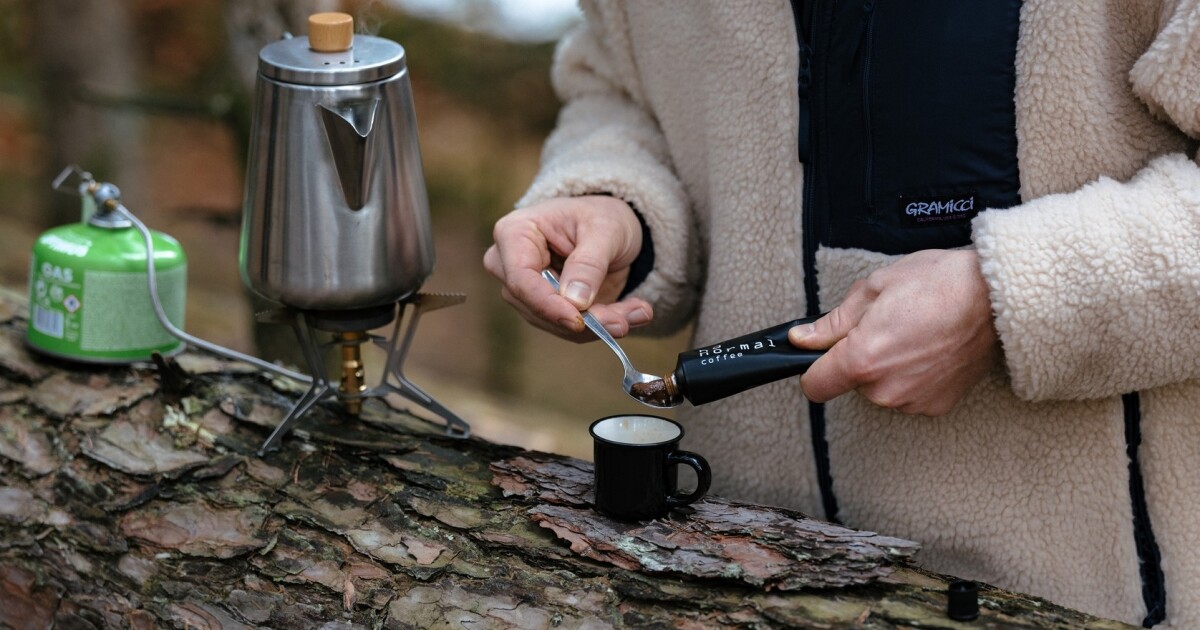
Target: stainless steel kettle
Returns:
[335, 216]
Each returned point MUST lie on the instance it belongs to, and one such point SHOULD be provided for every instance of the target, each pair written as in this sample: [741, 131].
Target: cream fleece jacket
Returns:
[689, 113]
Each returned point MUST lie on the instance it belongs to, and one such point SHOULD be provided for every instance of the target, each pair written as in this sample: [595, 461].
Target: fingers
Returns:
[621, 317]
[534, 298]
[618, 319]
[831, 375]
[839, 371]
[577, 332]
[516, 259]
[594, 238]
[834, 325]
[915, 336]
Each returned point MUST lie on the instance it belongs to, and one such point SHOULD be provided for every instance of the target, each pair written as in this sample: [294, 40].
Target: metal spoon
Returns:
[632, 375]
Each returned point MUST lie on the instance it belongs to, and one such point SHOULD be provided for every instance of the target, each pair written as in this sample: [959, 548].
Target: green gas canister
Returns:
[89, 298]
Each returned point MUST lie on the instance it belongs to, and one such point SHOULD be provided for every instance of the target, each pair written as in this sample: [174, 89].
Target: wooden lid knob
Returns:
[330, 32]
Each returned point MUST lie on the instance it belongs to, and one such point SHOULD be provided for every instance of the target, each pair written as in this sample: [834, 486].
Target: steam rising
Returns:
[367, 20]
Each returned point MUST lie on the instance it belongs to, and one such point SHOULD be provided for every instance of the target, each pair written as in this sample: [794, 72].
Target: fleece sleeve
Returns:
[1096, 292]
[607, 141]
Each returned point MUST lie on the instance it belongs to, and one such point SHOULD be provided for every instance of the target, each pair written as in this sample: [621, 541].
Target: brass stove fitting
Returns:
[353, 380]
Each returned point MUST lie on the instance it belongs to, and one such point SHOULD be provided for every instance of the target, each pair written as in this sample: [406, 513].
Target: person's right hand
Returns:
[590, 241]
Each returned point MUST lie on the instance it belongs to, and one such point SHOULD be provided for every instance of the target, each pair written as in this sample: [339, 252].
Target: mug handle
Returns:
[703, 477]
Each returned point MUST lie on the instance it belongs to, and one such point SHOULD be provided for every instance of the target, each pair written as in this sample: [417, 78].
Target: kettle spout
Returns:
[348, 129]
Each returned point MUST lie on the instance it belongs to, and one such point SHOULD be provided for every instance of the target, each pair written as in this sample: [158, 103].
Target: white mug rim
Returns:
[678, 427]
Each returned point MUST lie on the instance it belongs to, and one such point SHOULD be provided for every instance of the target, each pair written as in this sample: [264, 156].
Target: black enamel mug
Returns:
[636, 457]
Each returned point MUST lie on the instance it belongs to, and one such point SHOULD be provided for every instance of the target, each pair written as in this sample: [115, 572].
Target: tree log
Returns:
[131, 497]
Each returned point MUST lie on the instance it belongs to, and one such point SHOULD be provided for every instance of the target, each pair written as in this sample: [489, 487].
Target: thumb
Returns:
[583, 273]
[826, 331]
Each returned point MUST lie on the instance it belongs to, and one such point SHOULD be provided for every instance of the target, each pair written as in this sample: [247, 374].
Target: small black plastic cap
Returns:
[962, 601]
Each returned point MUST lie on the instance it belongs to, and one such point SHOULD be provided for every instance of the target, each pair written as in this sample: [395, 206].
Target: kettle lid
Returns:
[364, 59]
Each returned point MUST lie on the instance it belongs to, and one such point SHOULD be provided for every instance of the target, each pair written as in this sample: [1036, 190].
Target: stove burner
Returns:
[348, 328]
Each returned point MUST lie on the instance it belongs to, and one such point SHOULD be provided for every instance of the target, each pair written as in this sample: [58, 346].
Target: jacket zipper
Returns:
[869, 8]
[805, 34]
[807, 149]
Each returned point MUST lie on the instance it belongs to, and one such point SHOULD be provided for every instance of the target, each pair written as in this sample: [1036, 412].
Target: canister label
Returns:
[54, 310]
[120, 315]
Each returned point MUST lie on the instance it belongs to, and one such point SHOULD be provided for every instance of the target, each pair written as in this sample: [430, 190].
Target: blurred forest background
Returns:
[155, 96]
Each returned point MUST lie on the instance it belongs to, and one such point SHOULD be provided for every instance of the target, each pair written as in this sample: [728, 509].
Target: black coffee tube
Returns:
[714, 372]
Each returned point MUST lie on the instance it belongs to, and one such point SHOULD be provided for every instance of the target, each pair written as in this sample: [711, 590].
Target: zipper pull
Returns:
[803, 82]
[805, 69]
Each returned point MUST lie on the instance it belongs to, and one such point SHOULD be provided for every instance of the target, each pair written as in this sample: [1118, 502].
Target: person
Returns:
[998, 205]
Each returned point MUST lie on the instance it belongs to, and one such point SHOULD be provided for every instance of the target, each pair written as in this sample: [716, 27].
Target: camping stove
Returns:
[348, 335]
[349, 327]
[336, 221]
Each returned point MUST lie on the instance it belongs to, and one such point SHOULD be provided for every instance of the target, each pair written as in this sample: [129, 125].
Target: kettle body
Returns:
[335, 215]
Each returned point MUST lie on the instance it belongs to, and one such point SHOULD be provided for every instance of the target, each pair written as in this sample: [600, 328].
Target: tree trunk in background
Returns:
[132, 497]
[83, 47]
[250, 25]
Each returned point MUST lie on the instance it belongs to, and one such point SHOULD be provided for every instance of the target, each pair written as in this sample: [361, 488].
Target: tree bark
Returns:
[131, 497]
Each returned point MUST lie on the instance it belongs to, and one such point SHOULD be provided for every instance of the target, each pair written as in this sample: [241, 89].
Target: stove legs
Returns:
[397, 347]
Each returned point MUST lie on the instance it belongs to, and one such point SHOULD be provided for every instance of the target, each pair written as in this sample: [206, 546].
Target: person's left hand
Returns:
[915, 336]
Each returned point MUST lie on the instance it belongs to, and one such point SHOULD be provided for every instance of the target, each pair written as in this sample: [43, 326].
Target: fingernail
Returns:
[638, 317]
[575, 324]
[579, 293]
[803, 330]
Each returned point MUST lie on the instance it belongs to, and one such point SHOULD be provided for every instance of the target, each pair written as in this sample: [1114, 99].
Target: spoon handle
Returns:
[601, 332]
[596, 327]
